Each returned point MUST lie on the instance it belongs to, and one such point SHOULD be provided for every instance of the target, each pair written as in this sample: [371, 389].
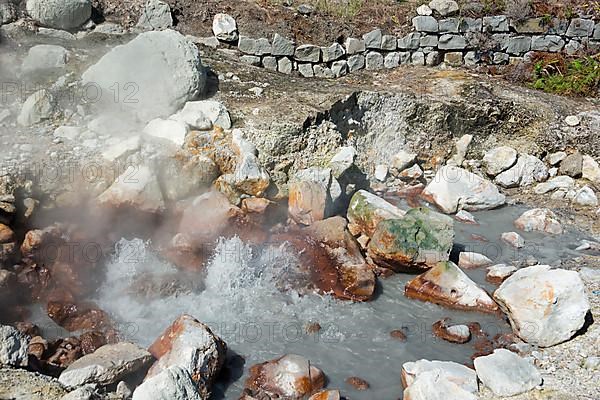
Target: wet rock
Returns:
[76, 317]
[507, 374]
[539, 219]
[499, 159]
[469, 260]
[525, 172]
[366, 210]
[513, 239]
[60, 14]
[448, 285]
[19, 384]
[444, 7]
[586, 197]
[398, 334]
[454, 189]
[590, 170]
[224, 28]
[358, 383]
[203, 115]
[13, 347]
[432, 385]
[307, 202]
[572, 165]
[191, 345]
[545, 306]
[465, 217]
[37, 241]
[107, 365]
[6, 234]
[156, 15]
[173, 383]
[559, 182]
[451, 333]
[461, 376]
[165, 53]
[168, 129]
[418, 241]
[138, 189]
[38, 107]
[326, 395]
[291, 377]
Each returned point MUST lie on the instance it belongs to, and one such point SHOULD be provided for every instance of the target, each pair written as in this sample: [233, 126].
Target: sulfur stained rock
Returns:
[307, 202]
[541, 220]
[366, 210]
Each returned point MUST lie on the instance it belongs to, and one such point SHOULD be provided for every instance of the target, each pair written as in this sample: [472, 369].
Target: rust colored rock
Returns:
[27, 328]
[256, 205]
[41, 243]
[398, 334]
[307, 202]
[92, 341]
[312, 327]
[451, 333]
[358, 383]
[326, 395]
[38, 346]
[184, 254]
[290, 377]
[74, 317]
[65, 352]
[6, 234]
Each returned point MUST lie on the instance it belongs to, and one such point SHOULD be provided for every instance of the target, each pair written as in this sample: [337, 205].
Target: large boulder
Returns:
[545, 306]
[419, 240]
[499, 159]
[366, 210]
[191, 345]
[448, 285]
[528, 170]
[43, 58]
[307, 202]
[174, 383]
[166, 54]
[540, 220]
[456, 373]
[60, 14]
[454, 189]
[290, 377]
[432, 385]
[107, 365]
[13, 347]
[507, 374]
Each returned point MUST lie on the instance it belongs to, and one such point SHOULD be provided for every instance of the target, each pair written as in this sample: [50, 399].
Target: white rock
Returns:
[432, 385]
[514, 239]
[589, 274]
[473, 260]
[424, 10]
[250, 177]
[590, 169]
[83, 393]
[462, 146]
[403, 160]
[45, 57]
[444, 7]
[225, 28]
[586, 197]
[572, 120]
[507, 374]
[559, 182]
[122, 148]
[381, 172]
[500, 272]
[203, 115]
[60, 14]
[499, 159]
[454, 189]
[411, 173]
[67, 132]
[556, 158]
[526, 171]
[241, 145]
[545, 306]
[13, 347]
[156, 15]
[172, 130]
[342, 160]
[465, 217]
[174, 383]
[541, 220]
[39, 106]
[456, 373]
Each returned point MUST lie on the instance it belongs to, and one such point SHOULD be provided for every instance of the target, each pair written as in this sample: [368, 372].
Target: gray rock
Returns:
[263, 47]
[580, 27]
[333, 52]
[270, 63]
[586, 197]
[519, 45]
[251, 60]
[38, 107]
[374, 61]
[13, 347]
[556, 158]
[389, 42]
[444, 7]
[470, 25]
[339, 68]
[282, 46]
[284, 65]
[452, 42]
[552, 43]
[405, 57]
[224, 28]
[174, 383]
[418, 58]
[109, 28]
[83, 393]
[8, 12]
[433, 58]
[424, 10]
[526, 171]
[572, 47]
[306, 70]
[156, 15]
[373, 39]
[429, 41]
[495, 24]
[572, 165]
[209, 41]
[454, 59]
[167, 54]
[500, 41]
[529, 25]
[412, 41]
[19, 384]
[449, 25]
[356, 62]
[354, 46]
[391, 60]
[499, 159]
[60, 14]
[342, 160]
[308, 53]
[45, 57]
[322, 71]
[423, 23]
[247, 45]
[559, 182]
[106, 365]
[507, 374]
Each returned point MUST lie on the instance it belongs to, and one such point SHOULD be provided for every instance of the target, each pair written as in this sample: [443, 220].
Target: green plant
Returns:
[578, 77]
[344, 8]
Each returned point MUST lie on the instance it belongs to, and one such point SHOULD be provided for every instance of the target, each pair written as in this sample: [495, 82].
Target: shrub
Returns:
[575, 77]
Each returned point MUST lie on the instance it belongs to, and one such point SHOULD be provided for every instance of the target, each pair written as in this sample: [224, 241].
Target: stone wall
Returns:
[437, 37]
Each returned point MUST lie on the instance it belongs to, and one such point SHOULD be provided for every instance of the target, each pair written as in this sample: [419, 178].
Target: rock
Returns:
[203, 115]
[513, 239]
[572, 120]
[20, 384]
[354, 46]
[185, 175]
[586, 197]
[171, 130]
[342, 161]
[465, 217]
[165, 53]
[307, 202]
[590, 170]
[507, 374]
[398, 334]
[448, 285]
[13, 347]
[173, 383]
[572, 165]
[38, 107]
[592, 363]
[580, 27]
[444, 7]
[518, 45]
[559, 182]
[526, 171]
[83, 393]
[356, 62]
[539, 219]
[458, 374]
[556, 158]
[451, 333]
[225, 28]
[8, 12]
[462, 146]
[191, 345]
[284, 65]
[548, 43]
[470, 260]
[156, 15]
[424, 10]
[122, 149]
[60, 14]
[45, 57]
[358, 383]
[282, 46]
[499, 273]
[136, 188]
[454, 189]
[417, 241]
[498, 23]
[250, 177]
[308, 53]
[373, 39]
[381, 172]
[333, 52]
[326, 395]
[454, 59]
[306, 70]
[499, 159]
[291, 377]
[107, 365]
[423, 23]
[366, 210]
[389, 42]
[374, 61]
[545, 306]
[412, 41]
[6, 234]
[452, 42]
